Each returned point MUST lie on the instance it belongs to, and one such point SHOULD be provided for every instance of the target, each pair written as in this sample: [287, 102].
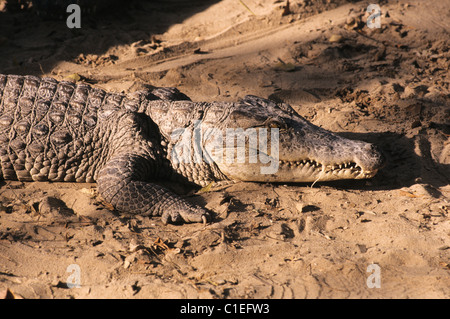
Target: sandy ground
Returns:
[388, 85]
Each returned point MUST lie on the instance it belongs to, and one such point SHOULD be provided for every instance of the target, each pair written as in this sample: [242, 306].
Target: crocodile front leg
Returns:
[123, 182]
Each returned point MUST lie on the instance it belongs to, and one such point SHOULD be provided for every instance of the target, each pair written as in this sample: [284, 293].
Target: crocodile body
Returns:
[60, 131]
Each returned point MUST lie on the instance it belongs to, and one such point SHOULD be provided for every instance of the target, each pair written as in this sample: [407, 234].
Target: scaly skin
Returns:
[59, 131]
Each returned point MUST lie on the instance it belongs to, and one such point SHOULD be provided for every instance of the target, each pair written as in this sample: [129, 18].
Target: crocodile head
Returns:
[258, 140]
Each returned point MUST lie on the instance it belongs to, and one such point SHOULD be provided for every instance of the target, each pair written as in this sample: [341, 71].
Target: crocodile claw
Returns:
[193, 215]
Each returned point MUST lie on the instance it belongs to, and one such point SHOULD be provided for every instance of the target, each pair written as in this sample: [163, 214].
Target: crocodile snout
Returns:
[370, 159]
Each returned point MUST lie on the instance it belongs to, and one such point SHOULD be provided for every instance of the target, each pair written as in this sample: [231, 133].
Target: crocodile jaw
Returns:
[317, 156]
[305, 170]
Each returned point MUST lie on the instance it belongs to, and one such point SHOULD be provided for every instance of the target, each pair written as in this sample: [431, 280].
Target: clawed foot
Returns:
[191, 215]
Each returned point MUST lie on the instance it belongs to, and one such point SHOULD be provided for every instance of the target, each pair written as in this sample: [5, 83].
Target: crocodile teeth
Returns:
[303, 163]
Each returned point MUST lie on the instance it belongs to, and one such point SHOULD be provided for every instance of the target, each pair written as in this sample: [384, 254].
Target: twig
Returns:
[245, 6]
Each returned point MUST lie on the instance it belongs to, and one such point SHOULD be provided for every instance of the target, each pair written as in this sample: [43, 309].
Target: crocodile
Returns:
[129, 144]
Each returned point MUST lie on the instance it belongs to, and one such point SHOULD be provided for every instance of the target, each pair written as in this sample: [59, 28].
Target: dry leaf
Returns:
[285, 67]
[91, 192]
[336, 38]
[408, 194]
[206, 189]
[75, 77]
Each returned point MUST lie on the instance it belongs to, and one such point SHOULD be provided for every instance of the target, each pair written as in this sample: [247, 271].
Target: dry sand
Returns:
[387, 85]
